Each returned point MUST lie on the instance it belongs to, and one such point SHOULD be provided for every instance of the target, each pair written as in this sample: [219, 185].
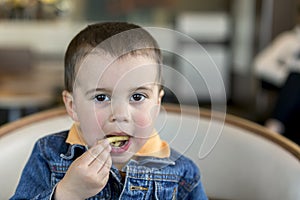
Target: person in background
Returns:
[279, 66]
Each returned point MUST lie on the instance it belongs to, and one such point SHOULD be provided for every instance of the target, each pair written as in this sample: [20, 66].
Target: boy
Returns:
[113, 93]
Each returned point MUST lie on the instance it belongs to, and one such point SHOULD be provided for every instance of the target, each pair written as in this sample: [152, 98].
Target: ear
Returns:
[160, 96]
[158, 105]
[70, 105]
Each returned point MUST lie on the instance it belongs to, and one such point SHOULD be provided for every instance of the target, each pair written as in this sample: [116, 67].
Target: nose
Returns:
[119, 112]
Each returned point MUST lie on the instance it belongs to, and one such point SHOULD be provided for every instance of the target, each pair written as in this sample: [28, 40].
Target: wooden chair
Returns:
[238, 159]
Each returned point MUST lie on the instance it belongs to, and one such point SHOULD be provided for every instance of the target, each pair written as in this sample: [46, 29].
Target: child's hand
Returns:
[87, 175]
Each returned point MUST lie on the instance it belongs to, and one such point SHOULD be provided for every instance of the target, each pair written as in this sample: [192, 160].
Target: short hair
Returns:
[115, 38]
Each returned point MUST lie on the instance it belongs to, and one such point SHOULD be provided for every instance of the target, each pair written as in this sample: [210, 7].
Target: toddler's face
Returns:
[117, 98]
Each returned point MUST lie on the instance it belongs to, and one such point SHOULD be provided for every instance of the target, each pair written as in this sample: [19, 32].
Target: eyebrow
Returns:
[143, 88]
[105, 90]
[97, 90]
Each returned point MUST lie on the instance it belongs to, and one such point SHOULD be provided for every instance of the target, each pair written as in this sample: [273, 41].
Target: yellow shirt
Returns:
[154, 147]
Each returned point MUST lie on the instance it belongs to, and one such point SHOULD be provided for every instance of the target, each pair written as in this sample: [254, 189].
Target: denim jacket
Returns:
[176, 177]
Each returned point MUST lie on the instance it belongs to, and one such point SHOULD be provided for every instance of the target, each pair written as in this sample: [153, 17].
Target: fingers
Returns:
[95, 151]
[105, 167]
[97, 156]
[102, 161]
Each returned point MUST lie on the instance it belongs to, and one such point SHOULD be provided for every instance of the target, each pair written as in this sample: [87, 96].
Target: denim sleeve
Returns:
[197, 193]
[190, 185]
[35, 182]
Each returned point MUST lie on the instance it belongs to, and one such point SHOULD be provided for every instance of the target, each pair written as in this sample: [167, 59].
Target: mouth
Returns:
[118, 141]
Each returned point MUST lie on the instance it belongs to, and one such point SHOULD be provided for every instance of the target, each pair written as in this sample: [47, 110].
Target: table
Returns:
[30, 90]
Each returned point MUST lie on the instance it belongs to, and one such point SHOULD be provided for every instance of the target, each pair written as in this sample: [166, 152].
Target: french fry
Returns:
[117, 138]
[116, 141]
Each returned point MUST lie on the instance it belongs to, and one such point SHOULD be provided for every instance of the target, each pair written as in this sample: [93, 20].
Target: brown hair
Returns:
[115, 38]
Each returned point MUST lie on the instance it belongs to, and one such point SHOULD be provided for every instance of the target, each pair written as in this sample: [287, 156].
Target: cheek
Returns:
[142, 120]
[145, 118]
[100, 119]
[92, 127]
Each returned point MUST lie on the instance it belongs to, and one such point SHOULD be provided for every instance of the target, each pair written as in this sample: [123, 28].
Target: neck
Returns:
[119, 166]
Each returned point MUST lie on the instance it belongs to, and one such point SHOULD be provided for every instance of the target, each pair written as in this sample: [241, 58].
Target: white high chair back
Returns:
[237, 158]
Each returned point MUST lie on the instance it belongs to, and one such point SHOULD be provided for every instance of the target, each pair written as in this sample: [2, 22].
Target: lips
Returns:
[119, 142]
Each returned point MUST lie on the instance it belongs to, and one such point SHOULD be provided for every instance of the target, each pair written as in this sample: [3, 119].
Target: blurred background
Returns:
[34, 35]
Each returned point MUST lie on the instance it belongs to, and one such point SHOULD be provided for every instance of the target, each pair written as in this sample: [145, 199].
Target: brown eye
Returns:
[102, 98]
[137, 97]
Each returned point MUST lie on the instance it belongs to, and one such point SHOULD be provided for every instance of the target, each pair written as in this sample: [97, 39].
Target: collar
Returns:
[154, 147]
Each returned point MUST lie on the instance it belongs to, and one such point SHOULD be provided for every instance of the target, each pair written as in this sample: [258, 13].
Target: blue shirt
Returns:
[176, 177]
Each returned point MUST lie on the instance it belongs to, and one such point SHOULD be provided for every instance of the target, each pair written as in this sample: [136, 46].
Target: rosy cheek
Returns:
[143, 119]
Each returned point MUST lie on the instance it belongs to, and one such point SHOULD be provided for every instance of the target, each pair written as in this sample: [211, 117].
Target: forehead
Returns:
[103, 70]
